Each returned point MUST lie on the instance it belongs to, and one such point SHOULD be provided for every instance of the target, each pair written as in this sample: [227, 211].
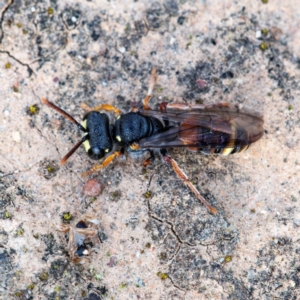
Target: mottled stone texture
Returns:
[156, 241]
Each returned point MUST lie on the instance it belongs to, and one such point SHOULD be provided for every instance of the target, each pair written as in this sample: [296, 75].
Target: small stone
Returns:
[258, 34]
[16, 136]
[93, 188]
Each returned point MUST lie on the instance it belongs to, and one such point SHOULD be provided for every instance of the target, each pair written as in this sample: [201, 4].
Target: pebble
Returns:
[93, 188]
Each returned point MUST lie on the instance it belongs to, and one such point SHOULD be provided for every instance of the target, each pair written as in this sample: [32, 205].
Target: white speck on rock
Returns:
[16, 136]
[122, 49]
[258, 34]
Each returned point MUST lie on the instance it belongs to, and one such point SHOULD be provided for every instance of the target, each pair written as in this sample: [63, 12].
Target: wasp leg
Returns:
[105, 163]
[186, 181]
[106, 107]
[148, 161]
[150, 90]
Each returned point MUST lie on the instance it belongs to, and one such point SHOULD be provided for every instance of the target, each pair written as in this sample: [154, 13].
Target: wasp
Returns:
[212, 129]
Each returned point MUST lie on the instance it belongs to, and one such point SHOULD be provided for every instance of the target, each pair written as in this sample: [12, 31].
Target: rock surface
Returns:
[157, 240]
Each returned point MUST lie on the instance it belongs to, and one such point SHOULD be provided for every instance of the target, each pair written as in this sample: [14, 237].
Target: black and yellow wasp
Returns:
[218, 128]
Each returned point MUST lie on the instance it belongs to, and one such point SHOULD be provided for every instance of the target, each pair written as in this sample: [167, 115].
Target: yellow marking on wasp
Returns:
[118, 138]
[83, 123]
[230, 146]
[227, 151]
[118, 117]
[244, 148]
[87, 145]
[106, 150]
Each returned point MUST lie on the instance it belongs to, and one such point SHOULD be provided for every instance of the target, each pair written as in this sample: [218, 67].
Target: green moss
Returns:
[31, 286]
[50, 11]
[264, 32]
[20, 231]
[148, 245]
[123, 285]
[148, 194]
[228, 258]
[263, 46]
[7, 215]
[8, 65]
[290, 107]
[32, 109]
[67, 216]
[162, 276]
[264, 1]
[19, 25]
[25, 31]
[57, 288]
[50, 169]
[43, 276]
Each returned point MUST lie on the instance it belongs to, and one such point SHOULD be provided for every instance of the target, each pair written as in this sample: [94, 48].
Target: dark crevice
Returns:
[10, 2]
[30, 71]
[175, 285]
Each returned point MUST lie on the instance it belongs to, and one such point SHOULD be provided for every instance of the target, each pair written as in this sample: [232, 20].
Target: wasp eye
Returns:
[96, 153]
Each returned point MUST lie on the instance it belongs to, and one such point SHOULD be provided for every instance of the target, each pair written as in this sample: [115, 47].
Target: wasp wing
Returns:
[213, 117]
[206, 128]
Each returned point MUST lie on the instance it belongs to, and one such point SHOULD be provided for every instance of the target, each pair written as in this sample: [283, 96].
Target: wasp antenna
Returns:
[62, 112]
[66, 157]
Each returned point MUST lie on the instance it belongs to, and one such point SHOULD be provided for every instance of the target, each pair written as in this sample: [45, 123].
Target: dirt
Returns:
[155, 240]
